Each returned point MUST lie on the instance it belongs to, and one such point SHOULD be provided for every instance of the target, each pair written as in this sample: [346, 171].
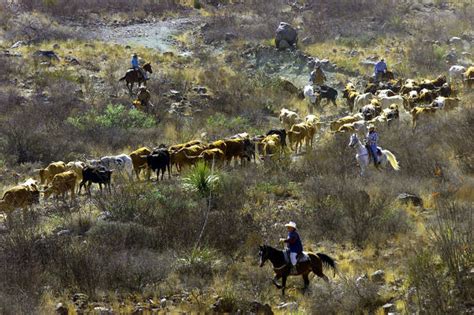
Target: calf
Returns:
[96, 174]
[61, 184]
[418, 111]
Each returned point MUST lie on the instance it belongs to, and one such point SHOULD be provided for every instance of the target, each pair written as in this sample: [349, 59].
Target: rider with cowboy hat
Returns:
[371, 143]
[294, 245]
[317, 76]
[380, 69]
[136, 66]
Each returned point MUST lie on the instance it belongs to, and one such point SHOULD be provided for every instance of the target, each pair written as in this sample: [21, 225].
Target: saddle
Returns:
[302, 257]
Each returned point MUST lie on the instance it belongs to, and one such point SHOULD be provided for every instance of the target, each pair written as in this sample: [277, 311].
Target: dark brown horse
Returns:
[134, 75]
[282, 268]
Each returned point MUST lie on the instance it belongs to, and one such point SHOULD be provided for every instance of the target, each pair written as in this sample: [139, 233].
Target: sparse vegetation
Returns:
[189, 243]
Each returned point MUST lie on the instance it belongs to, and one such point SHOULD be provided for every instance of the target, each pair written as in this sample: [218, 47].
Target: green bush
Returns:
[114, 116]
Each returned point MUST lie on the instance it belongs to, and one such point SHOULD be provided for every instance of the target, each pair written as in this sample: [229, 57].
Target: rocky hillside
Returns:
[192, 242]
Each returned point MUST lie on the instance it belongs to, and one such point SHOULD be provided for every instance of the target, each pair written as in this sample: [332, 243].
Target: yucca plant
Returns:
[202, 180]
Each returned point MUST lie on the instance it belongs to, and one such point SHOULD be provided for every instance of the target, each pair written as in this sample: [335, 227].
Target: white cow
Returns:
[288, 118]
[121, 163]
[456, 73]
[399, 100]
[362, 100]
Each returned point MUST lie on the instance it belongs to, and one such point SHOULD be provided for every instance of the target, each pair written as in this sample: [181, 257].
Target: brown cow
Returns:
[139, 161]
[61, 184]
[20, 196]
[46, 174]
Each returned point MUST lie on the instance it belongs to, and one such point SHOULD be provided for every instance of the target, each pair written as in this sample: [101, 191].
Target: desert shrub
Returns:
[156, 209]
[347, 212]
[440, 273]
[347, 296]
[113, 116]
[36, 27]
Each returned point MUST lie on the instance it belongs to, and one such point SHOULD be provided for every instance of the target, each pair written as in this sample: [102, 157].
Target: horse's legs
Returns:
[306, 281]
[283, 284]
[275, 279]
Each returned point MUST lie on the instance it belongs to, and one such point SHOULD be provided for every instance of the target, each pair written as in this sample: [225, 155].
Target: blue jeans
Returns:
[373, 150]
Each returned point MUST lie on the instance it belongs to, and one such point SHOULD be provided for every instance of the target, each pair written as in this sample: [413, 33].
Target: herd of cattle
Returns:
[384, 102]
[379, 103]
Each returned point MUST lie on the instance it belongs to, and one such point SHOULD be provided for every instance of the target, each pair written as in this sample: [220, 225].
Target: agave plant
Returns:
[201, 179]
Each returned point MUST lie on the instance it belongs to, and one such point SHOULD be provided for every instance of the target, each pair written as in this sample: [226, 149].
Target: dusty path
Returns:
[157, 35]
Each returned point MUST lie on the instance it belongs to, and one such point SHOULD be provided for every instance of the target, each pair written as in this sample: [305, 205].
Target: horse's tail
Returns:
[124, 77]
[393, 160]
[327, 261]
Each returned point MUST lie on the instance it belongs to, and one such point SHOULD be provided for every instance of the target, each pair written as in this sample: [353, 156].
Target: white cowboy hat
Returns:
[291, 224]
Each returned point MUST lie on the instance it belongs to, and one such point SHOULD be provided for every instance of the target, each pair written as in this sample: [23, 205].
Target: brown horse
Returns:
[134, 75]
[282, 268]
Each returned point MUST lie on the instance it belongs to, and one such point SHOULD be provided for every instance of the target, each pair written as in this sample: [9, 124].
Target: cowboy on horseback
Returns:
[317, 76]
[295, 246]
[379, 70]
[136, 66]
[371, 143]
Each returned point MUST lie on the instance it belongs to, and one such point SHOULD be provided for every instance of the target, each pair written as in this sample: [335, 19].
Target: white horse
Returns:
[363, 158]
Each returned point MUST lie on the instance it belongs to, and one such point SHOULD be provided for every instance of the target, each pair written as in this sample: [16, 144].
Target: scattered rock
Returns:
[290, 306]
[168, 54]
[18, 44]
[378, 277]
[7, 53]
[56, 46]
[72, 61]
[229, 36]
[353, 53]
[286, 36]
[63, 232]
[222, 306]
[163, 302]
[455, 40]
[101, 310]
[46, 54]
[259, 308]
[176, 95]
[361, 279]
[104, 216]
[61, 309]
[388, 308]
[200, 89]
[407, 198]
[80, 300]
[451, 57]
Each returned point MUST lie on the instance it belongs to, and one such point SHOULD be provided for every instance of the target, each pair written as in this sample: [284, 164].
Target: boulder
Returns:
[407, 198]
[378, 277]
[259, 308]
[285, 33]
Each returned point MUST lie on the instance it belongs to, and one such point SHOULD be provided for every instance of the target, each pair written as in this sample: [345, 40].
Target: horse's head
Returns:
[263, 254]
[353, 140]
[147, 67]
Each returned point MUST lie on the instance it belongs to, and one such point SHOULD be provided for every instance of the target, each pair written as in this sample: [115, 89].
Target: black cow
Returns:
[328, 93]
[95, 174]
[159, 160]
[281, 133]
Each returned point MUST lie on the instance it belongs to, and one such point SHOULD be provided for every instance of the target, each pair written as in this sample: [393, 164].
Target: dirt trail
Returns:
[157, 35]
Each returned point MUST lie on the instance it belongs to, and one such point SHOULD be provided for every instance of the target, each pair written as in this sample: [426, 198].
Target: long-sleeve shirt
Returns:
[135, 63]
[294, 242]
[372, 138]
[380, 67]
